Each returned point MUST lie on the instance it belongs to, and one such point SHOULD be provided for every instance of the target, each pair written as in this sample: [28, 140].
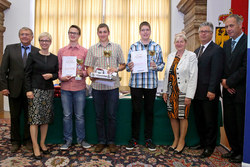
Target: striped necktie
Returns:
[25, 56]
[232, 45]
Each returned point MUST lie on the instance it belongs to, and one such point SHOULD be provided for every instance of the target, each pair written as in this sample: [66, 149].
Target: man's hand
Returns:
[131, 66]
[152, 64]
[112, 69]
[210, 96]
[224, 83]
[66, 78]
[30, 95]
[231, 90]
[5, 92]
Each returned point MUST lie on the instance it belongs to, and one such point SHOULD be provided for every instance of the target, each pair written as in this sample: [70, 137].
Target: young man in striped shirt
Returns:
[143, 86]
[109, 56]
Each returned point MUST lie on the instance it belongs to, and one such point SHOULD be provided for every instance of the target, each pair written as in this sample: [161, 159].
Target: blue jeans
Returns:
[106, 100]
[73, 102]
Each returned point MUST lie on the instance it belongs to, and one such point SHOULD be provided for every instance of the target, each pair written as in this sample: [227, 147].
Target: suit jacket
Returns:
[12, 69]
[186, 72]
[210, 71]
[235, 69]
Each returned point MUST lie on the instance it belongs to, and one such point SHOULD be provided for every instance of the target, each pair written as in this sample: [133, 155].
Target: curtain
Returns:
[56, 16]
[122, 16]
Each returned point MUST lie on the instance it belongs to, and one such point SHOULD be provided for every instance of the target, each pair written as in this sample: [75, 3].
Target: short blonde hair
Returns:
[180, 35]
[45, 34]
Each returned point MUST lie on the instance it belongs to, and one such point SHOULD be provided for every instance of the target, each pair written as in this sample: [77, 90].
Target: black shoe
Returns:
[236, 159]
[170, 148]
[228, 155]
[37, 157]
[178, 152]
[131, 144]
[198, 147]
[150, 145]
[206, 153]
[44, 151]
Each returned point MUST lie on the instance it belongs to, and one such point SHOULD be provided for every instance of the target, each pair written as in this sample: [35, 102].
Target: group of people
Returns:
[26, 76]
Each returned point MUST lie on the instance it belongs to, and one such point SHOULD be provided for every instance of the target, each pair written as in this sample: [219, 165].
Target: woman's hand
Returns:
[187, 101]
[30, 95]
[47, 76]
[165, 97]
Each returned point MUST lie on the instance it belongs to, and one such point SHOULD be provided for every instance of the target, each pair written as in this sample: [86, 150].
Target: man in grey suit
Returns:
[12, 85]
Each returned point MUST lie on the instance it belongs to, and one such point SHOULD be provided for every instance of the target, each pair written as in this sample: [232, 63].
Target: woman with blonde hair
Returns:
[179, 88]
[41, 69]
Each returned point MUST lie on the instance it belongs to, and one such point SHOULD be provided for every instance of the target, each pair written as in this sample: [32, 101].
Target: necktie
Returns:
[25, 56]
[232, 45]
[201, 51]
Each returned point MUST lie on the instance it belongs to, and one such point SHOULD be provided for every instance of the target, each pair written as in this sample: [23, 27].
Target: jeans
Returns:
[73, 102]
[106, 100]
[140, 95]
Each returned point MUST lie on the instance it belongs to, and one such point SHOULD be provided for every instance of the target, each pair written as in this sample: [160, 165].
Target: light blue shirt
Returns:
[28, 50]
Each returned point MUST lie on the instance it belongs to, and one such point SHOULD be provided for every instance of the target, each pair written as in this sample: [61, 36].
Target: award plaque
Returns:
[78, 68]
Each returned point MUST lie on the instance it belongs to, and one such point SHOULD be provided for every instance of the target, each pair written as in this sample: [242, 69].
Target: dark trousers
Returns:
[139, 95]
[17, 105]
[234, 118]
[206, 118]
[106, 101]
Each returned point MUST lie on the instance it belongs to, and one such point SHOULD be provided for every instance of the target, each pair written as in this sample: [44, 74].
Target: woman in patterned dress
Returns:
[40, 71]
[179, 88]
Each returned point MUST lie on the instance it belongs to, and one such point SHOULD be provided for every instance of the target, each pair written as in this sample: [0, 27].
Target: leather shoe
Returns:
[44, 151]
[99, 148]
[171, 148]
[206, 153]
[236, 159]
[228, 155]
[112, 148]
[178, 152]
[198, 147]
[14, 148]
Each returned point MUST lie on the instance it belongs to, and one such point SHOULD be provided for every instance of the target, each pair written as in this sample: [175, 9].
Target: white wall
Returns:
[21, 13]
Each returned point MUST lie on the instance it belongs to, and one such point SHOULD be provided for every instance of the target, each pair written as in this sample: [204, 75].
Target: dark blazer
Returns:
[235, 69]
[12, 69]
[210, 70]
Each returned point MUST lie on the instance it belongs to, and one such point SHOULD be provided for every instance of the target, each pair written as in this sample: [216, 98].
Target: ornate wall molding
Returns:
[4, 4]
[195, 13]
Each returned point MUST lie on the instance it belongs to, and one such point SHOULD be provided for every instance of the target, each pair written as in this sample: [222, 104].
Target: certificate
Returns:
[69, 66]
[139, 58]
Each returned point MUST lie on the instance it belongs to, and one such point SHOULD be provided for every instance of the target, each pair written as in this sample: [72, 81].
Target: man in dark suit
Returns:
[206, 100]
[12, 85]
[234, 87]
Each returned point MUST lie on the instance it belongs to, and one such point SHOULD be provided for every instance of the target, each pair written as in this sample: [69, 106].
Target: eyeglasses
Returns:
[44, 41]
[206, 31]
[73, 33]
[24, 34]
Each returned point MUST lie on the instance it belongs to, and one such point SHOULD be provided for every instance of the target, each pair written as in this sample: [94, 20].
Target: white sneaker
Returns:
[85, 144]
[65, 146]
